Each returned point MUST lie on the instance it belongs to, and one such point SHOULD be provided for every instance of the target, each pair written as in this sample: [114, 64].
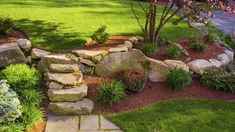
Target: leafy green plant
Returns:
[148, 48]
[212, 37]
[31, 96]
[100, 34]
[192, 39]
[21, 76]
[220, 79]
[177, 78]
[198, 46]
[228, 40]
[133, 79]
[111, 92]
[174, 51]
[6, 25]
[10, 107]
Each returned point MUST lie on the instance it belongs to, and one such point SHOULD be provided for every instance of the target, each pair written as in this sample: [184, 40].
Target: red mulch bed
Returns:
[12, 37]
[210, 52]
[154, 92]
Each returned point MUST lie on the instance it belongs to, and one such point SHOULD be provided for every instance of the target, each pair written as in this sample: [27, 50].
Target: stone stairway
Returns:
[67, 90]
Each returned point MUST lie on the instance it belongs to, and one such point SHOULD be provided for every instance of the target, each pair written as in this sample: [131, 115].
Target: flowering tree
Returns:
[227, 5]
[190, 10]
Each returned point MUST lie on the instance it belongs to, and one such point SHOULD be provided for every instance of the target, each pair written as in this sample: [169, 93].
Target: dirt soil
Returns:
[153, 92]
[210, 52]
[12, 37]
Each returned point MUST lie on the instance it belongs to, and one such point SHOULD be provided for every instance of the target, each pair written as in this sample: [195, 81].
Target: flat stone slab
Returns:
[88, 54]
[84, 106]
[72, 94]
[89, 122]
[66, 78]
[62, 124]
[106, 124]
[177, 63]
[86, 61]
[64, 68]
[118, 49]
[55, 85]
[38, 53]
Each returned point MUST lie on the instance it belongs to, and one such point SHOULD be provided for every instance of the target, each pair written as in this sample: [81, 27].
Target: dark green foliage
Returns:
[21, 76]
[30, 114]
[192, 39]
[173, 51]
[6, 25]
[100, 34]
[162, 41]
[220, 79]
[111, 92]
[148, 48]
[197, 46]
[177, 78]
[10, 108]
[228, 40]
[133, 79]
[212, 37]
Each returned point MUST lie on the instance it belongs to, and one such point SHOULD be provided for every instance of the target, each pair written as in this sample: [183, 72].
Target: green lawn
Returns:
[181, 115]
[64, 24]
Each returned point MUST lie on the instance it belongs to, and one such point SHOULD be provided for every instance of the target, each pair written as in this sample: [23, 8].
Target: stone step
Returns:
[71, 94]
[84, 106]
[71, 79]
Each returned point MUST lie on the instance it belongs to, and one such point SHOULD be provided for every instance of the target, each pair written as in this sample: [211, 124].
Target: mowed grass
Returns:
[181, 115]
[66, 24]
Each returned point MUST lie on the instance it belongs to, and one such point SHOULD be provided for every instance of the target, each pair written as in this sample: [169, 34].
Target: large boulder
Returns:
[72, 94]
[224, 59]
[230, 54]
[84, 106]
[177, 63]
[24, 44]
[10, 53]
[38, 53]
[67, 79]
[115, 62]
[46, 61]
[157, 70]
[199, 65]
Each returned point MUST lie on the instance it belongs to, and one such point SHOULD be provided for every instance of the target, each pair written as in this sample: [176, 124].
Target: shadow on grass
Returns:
[47, 35]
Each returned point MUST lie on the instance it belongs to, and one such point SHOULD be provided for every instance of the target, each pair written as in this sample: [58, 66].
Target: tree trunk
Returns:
[152, 21]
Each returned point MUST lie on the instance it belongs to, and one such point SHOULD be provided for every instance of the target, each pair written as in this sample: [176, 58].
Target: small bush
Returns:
[111, 92]
[177, 78]
[30, 114]
[228, 40]
[100, 34]
[133, 79]
[219, 79]
[174, 51]
[10, 107]
[212, 37]
[148, 48]
[192, 39]
[6, 25]
[198, 46]
[21, 76]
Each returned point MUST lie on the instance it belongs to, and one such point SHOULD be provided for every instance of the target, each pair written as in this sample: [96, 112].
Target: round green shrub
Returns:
[198, 46]
[100, 34]
[174, 51]
[10, 107]
[219, 79]
[148, 48]
[133, 79]
[177, 78]
[6, 25]
[111, 92]
[21, 76]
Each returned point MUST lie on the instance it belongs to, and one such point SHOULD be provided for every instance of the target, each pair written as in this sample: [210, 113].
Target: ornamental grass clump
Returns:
[111, 92]
[174, 51]
[177, 78]
[197, 46]
[10, 108]
[148, 48]
[134, 80]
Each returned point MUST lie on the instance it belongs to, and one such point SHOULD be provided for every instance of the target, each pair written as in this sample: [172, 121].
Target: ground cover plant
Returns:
[183, 115]
[50, 25]
[26, 83]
